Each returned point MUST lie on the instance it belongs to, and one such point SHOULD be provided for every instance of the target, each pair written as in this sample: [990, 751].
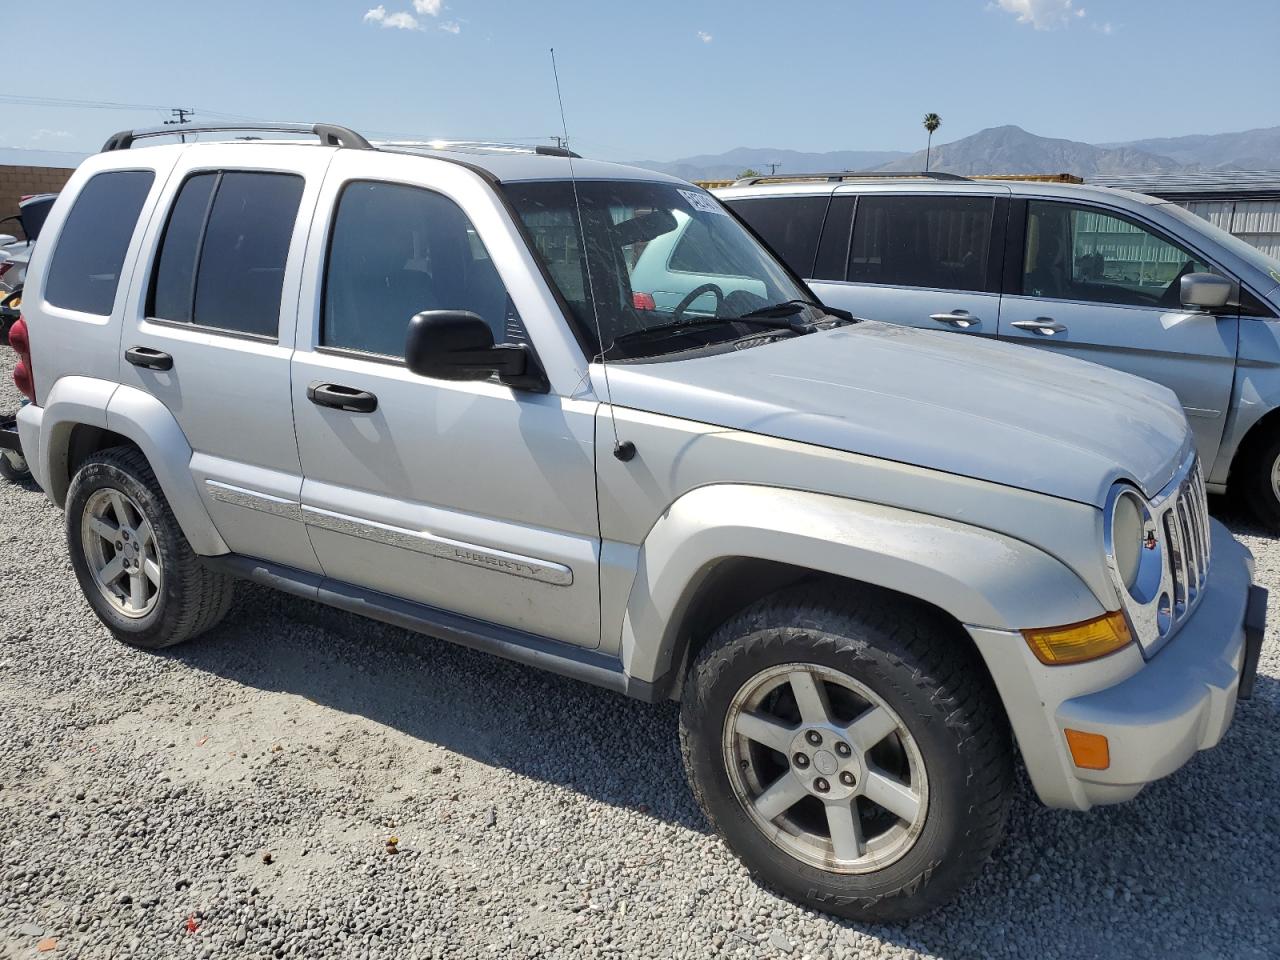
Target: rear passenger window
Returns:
[790, 225]
[924, 241]
[84, 273]
[396, 251]
[224, 251]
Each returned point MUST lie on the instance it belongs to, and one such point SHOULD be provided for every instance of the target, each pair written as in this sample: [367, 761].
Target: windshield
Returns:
[661, 255]
[1245, 251]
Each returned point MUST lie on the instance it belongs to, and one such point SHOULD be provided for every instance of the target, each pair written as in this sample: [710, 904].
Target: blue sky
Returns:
[652, 80]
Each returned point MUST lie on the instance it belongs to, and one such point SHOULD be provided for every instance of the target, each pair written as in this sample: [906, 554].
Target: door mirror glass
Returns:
[458, 345]
[1206, 291]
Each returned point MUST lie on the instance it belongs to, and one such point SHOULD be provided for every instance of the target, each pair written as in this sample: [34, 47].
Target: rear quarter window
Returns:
[84, 273]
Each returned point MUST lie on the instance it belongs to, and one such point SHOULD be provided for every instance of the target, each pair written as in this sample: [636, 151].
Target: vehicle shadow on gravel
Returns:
[535, 724]
[1188, 845]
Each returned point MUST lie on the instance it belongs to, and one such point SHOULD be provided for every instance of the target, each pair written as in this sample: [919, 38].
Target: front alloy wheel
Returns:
[826, 768]
[848, 745]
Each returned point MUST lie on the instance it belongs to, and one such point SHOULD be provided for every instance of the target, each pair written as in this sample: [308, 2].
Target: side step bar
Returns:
[565, 659]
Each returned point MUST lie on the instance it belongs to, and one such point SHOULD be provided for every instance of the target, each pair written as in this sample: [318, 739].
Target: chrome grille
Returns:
[1185, 519]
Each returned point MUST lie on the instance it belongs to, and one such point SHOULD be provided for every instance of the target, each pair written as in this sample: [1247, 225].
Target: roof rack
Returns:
[849, 175]
[478, 146]
[331, 135]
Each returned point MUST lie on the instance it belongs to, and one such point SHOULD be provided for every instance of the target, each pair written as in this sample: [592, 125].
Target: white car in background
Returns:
[15, 254]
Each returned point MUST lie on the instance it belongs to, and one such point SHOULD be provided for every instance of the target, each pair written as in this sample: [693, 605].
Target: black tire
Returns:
[191, 598]
[12, 473]
[1254, 486]
[912, 658]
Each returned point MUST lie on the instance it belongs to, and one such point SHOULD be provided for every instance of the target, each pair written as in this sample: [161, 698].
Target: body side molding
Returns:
[443, 548]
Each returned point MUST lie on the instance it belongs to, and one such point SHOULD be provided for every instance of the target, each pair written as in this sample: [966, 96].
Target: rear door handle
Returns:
[149, 358]
[1043, 326]
[957, 318]
[342, 398]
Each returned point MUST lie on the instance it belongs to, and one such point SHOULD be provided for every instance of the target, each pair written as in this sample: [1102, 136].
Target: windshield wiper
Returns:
[789, 308]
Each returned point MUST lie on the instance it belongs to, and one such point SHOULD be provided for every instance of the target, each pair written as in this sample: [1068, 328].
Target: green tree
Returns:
[749, 172]
[931, 123]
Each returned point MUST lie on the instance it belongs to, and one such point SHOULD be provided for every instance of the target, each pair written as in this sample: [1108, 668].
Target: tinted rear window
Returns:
[939, 242]
[790, 225]
[224, 252]
[84, 273]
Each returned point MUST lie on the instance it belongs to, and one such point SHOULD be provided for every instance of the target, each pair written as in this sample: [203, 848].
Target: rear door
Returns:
[927, 259]
[209, 333]
[1099, 284]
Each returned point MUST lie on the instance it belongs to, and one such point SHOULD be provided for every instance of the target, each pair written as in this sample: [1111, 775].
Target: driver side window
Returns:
[1082, 253]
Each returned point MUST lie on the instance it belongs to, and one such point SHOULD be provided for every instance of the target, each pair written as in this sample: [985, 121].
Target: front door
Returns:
[929, 260]
[209, 333]
[1099, 285]
[470, 497]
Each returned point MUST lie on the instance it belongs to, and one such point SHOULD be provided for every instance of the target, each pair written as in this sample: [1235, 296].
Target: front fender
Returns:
[980, 577]
[140, 417]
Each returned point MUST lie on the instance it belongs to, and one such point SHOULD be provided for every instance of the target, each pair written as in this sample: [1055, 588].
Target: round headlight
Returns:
[1128, 531]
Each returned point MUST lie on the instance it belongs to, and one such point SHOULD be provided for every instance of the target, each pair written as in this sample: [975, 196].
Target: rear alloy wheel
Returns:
[849, 746]
[135, 567]
[120, 548]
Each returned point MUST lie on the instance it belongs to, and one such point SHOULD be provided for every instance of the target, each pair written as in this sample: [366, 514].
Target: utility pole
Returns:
[773, 167]
[181, 113]
[562, 143]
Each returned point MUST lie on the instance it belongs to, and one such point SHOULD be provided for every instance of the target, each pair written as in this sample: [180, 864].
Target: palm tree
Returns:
[931, 123]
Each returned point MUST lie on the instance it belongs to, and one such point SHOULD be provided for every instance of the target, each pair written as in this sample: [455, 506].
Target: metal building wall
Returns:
[1257, 222]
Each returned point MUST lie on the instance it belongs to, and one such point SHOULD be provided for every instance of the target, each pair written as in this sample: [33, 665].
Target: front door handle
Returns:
[956, 318]
[1043, 326]
[342, 398]
[149, 358]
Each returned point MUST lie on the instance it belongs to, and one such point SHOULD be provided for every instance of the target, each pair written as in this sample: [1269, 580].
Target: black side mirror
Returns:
[458, 345]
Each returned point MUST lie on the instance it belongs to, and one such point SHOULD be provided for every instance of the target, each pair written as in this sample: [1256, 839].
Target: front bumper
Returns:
[1156, 714]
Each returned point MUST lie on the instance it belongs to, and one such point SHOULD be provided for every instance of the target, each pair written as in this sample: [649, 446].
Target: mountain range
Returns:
[1007, 149]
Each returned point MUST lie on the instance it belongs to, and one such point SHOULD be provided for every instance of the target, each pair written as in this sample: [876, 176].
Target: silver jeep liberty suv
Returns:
[423, 382]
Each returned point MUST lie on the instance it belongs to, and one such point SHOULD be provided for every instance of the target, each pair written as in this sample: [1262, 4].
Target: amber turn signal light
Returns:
[1078, 642]
[1090, 751]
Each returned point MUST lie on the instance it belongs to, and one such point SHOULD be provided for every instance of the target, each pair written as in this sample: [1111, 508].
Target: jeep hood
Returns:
[966, 405]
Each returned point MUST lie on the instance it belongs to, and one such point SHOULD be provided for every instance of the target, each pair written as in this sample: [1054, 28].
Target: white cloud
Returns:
[429, 8]
[1042, 14]
[392, 21]
[705, 37]
[451, 26]
[1105, 28]
[46, 134]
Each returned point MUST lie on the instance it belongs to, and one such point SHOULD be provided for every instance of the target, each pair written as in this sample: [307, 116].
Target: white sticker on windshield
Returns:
[704, 202]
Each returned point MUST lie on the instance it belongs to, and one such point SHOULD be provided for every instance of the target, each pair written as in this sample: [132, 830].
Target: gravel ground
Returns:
[234, 797]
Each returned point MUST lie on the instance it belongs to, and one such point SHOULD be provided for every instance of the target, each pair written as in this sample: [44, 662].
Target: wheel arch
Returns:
[1265, 428]
[84, 415]
[720, 548]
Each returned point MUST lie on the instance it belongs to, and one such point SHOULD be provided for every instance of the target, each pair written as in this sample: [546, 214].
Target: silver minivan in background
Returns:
[1119, 278]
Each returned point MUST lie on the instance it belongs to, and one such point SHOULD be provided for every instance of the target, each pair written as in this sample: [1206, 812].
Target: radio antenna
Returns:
[624, 450]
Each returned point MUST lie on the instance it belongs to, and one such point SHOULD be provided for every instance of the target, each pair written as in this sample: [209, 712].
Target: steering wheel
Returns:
[694, 294]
